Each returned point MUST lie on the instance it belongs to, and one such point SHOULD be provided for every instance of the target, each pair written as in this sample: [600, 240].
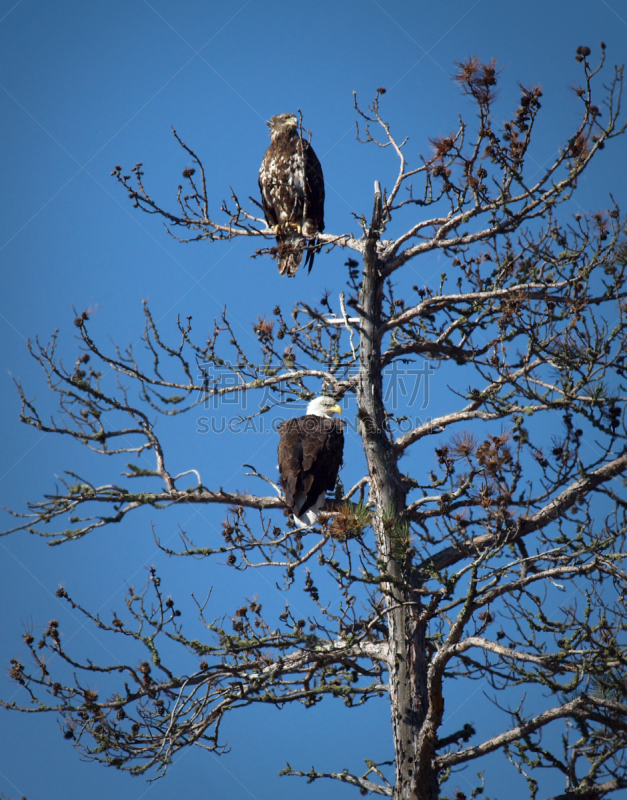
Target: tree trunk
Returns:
[414, 733]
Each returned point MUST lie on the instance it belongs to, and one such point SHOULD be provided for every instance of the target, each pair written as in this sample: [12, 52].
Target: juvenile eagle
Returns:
[310, 455]
[292, 190]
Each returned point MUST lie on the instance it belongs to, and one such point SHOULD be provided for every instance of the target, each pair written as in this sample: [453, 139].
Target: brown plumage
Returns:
[292, 191]
[310, 456]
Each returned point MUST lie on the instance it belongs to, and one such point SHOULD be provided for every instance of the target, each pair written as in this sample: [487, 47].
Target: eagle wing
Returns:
[310, 456]
[314, 188]
[313, 216]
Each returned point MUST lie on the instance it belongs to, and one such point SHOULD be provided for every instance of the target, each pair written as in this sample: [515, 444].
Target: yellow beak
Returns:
[335, 409]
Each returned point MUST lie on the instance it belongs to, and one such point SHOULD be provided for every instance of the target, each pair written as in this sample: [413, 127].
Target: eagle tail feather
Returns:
[309, 517]
[313, 247]
[290, 253]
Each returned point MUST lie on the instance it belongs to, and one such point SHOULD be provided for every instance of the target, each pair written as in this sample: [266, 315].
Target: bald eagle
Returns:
[292, 191]
[310, 455]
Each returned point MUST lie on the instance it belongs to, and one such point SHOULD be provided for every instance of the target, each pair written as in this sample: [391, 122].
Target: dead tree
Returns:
[449, 564]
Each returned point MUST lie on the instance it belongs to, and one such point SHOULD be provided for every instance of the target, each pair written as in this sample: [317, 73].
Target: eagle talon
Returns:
[284, 227]
[298, 228]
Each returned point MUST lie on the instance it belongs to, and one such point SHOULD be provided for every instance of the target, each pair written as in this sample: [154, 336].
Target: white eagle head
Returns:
[323, 407]
[281, 122]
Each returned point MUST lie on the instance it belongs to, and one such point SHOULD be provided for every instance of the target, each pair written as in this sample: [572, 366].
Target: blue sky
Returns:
[86, 86]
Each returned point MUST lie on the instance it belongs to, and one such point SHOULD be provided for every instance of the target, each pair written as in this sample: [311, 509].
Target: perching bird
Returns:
[310, 455]
[292, 190]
